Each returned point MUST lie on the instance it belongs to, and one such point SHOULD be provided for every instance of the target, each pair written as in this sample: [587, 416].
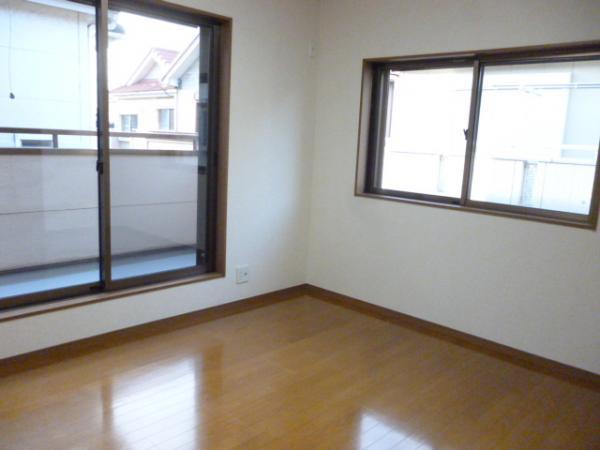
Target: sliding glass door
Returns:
[48, 149]
[158, 72]
[107, 146]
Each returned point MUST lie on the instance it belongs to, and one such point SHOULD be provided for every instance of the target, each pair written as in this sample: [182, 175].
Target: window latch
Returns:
[466, 133]
[99, 167]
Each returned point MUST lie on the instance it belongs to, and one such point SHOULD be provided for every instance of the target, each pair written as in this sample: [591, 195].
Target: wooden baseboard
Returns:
[45, 357]
[530, 361]
[500, 351]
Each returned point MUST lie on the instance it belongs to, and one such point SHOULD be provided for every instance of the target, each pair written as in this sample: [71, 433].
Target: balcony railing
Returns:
[49, 195]
[151, 139]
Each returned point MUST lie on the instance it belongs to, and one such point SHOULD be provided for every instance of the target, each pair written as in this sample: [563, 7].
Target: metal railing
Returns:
[55, 133]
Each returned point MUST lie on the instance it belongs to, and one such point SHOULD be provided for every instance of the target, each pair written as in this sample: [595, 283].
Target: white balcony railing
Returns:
[52, 138]
[49, 197]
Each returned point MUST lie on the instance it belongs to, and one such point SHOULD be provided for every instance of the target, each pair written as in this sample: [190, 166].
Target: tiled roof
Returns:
[141, 86]
[168, 56]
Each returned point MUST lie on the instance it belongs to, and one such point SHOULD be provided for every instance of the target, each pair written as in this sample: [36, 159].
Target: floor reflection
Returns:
[155, 408]
[376, 433]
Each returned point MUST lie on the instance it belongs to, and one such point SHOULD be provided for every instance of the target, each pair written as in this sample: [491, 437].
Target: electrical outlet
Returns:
[242, 274]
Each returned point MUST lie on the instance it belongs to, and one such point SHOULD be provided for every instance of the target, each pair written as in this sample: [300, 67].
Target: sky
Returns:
[142, 34]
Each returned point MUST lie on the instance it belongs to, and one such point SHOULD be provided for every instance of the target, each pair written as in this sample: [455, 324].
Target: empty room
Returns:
[299, 224]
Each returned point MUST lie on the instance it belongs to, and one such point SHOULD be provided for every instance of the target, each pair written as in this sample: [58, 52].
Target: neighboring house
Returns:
[160, 96]
[64, 99]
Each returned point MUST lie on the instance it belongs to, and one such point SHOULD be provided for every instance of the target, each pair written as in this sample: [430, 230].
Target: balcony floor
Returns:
[37, 280]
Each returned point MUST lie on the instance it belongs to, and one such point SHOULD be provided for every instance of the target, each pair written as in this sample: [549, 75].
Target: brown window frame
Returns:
[209, 264]
[373, 101]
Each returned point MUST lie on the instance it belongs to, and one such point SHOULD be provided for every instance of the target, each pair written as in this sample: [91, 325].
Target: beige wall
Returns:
[183, 102]
[529, 285]
[62, 100]
[145, 108]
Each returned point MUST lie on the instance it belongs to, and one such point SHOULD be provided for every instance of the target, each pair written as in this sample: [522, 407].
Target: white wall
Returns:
[529, 285]
[270, 149]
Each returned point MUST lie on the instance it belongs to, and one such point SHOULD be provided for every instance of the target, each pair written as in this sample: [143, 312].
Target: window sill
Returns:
[57, 305]
[488, 211]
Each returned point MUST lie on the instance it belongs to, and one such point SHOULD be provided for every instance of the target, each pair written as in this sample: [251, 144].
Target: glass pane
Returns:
[539, 129]
[165, 119]
[48, 197]
[158, 77]
[428, 113]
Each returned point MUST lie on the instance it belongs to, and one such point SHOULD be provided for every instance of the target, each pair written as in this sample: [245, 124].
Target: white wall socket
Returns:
[242, 274]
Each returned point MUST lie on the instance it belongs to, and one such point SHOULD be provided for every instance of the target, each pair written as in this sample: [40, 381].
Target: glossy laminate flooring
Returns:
[299, 374]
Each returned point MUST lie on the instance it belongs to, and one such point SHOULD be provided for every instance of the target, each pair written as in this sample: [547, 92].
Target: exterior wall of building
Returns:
[51, 71]
[146, 108]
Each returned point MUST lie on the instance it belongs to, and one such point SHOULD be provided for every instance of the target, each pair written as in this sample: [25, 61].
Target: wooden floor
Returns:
[300, 374]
